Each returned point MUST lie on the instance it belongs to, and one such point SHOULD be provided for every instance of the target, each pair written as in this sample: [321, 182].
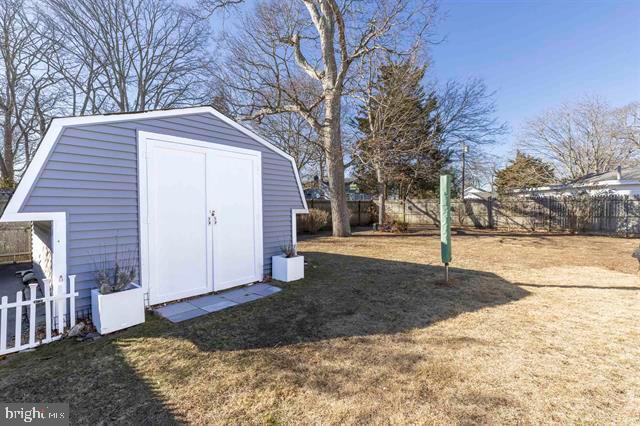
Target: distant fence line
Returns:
[360, 212]
[608, 215]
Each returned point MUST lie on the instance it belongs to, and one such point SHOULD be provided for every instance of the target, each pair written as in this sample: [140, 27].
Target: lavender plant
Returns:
[114, 272]
[289, 250]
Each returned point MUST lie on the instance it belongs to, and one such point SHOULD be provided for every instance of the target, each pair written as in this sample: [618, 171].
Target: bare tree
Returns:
[466, 112]
[130, 55]
[27, 98]
[481, 170]
[400, 141]
[295, 56]
[467, 121]
[627, 121]
[583, 138]
[292, 134]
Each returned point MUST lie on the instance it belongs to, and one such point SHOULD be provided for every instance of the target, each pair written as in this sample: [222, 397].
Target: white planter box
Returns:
[287, 268]
[115, 311]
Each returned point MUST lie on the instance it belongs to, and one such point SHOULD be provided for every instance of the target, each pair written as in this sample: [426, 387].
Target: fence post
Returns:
[32, 314]
[62, 307]
[47, 309]
[18, 333]
[72, 300]
[3, 323]
[626, 216]
[490, 212]
[404, 211]
[359, 224]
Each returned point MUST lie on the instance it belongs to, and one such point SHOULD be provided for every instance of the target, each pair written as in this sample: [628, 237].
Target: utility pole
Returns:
[465, 149]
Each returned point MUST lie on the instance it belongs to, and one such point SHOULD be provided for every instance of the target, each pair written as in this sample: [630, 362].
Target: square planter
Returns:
[115, 311]
[287, 268]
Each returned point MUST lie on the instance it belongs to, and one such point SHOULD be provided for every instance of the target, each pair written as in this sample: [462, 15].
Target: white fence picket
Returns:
[62, 308]
[47, 310]
[32, 315]
[18, 337]
[3, 323]
[50, 300]
[72, 300]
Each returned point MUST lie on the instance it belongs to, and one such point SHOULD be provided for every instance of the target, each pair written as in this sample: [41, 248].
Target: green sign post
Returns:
[445, 223]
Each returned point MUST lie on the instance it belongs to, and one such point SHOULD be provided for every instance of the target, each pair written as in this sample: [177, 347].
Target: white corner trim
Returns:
[294, 223]
[58, 124]
[143, 217]
[144, 137]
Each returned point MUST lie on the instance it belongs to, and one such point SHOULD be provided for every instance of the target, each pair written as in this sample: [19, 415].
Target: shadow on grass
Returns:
[95, 378]
[341, 296]
[346, 296]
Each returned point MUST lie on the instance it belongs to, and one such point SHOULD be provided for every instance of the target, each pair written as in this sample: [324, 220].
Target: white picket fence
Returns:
[52, 302]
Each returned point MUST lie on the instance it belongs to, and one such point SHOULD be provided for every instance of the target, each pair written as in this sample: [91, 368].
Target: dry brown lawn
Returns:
[535, 329]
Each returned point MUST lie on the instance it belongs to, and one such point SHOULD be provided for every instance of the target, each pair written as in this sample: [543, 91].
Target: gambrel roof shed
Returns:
[200, 202]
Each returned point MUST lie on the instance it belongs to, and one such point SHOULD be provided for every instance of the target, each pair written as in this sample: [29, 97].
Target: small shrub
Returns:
[636, 254]
[400, 226]
[315, 220]
[114, 272]
[117, 278]
[395, 226]
[289, 250]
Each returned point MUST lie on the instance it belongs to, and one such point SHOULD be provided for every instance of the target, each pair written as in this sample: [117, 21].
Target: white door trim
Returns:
[143, 180]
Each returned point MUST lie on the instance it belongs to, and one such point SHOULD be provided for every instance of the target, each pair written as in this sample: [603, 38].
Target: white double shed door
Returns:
[200, 216]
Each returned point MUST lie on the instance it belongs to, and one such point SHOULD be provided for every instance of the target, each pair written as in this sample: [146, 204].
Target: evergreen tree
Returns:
[525, 171]
[400, 150]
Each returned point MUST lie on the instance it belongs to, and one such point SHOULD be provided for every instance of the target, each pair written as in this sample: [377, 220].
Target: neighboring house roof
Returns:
[627, 174]
[625, 180]
[473, 192]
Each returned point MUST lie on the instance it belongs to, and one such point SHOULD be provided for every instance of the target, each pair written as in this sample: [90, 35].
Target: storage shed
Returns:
[198, 201]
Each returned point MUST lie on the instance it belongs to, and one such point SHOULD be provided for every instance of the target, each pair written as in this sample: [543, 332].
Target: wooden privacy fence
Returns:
[606, 215]
[36, 330]
[15, 238]
[360, 213]
[15, 242]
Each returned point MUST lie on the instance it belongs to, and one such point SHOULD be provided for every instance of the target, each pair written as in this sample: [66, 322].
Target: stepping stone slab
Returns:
[223, 304]
[175, 309]
[183, 316]
[241, 296]
[266, 291]
[255, 288]
[203, 301]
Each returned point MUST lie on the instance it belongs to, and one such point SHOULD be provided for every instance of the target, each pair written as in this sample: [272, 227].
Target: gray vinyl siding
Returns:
[91, 174]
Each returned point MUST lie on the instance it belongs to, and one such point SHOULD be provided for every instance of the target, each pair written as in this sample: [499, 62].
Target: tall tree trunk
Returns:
[382, 196]
[335, 167]
[8, 178]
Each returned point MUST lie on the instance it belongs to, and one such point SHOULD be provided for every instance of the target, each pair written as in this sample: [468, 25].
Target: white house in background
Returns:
[473, 193]
[616, 182]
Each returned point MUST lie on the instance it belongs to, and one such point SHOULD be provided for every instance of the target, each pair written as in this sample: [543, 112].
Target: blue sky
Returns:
[538, 54]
